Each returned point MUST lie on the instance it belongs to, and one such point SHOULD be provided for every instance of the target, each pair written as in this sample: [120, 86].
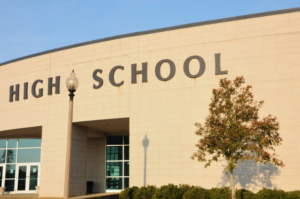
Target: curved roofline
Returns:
[262, 14]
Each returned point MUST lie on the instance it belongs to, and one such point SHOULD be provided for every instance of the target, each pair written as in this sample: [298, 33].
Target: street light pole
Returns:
[72, 84]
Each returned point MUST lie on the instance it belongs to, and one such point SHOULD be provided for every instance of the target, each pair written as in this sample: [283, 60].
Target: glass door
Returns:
[22, 174]
[33, 177]
[1, 175]
[27, 178]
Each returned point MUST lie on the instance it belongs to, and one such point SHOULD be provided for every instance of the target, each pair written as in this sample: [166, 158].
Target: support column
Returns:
[78, 174]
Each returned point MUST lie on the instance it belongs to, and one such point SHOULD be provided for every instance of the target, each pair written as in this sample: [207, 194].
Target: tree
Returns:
[233, 130]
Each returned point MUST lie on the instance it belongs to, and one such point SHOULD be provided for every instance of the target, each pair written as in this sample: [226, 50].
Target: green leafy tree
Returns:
[233, 130]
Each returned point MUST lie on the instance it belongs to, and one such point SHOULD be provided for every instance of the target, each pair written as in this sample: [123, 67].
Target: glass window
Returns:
[2, 156]
[1, 172]
[2, 143]
[36, 142]
[10, 185]
[126, 139]
[114, 153]
[12, 143]
[30, 151]
[10, 171]
[29, 155]
[114, 169]
[126, 168]
[114, 140]
[114, 183]
[126, 152]
[117, 162]
[126, 182]
[11, 156]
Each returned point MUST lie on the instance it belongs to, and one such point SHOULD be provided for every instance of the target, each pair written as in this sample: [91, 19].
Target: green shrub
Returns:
[196, 193]
[128, 193]
[220, 193]
[293, 194]
[271, 194]
[184, 191]
[145, 192]
[184, 188]
[171, 191]
[244, 194]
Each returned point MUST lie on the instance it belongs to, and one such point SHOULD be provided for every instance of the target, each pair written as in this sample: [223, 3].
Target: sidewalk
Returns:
[99, 195]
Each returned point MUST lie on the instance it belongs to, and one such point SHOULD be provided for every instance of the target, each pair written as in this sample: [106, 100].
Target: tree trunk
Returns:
[232, 184]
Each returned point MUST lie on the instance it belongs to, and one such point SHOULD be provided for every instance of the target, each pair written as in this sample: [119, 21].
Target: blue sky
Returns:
[32, 26]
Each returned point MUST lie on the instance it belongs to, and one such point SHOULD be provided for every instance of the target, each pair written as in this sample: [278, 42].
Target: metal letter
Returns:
[12, 93]
[186, 66]
[56, 85]
[98, 79]
[172, 70]
[112, 74]
[134, 72]
[218, 65]
[26, 90]
[33, 89]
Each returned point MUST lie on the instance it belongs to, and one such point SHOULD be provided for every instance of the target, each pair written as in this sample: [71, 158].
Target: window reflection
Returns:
[113, 183]
[12, 143]
[10, 171]
[1, 172]
[29, 155]
[30, 151]
[117, 162]
[11, 156]
[33, 177]
[2, 156]
[22, 178]
[113, 168]
[114, 153]
[35, 142]
[10, 185]
[2, 143]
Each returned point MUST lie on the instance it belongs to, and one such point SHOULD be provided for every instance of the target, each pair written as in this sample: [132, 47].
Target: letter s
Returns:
[97, 78]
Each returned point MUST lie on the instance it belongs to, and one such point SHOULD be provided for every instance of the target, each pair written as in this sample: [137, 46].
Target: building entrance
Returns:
[107, 155]
[20, 164]
[28, 177]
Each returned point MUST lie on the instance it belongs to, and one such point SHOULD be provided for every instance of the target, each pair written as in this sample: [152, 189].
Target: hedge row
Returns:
[171, 191]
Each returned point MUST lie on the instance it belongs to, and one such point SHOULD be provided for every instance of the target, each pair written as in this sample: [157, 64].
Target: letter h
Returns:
[134, 72]
[12, 93]
[56, 85]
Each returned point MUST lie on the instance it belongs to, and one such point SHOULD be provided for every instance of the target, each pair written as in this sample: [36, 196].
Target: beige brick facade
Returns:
[264, 49]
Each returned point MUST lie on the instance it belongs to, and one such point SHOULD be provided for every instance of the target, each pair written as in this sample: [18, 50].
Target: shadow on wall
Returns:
[252, 176]
[145, 144]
